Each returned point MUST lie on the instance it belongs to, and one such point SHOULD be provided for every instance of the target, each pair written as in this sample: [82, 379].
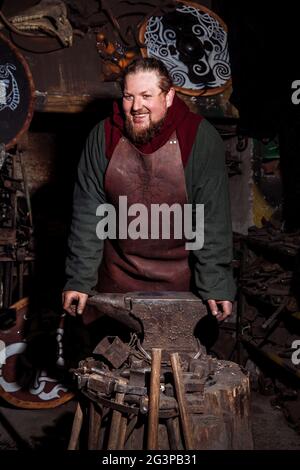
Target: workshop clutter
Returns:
[269, 327]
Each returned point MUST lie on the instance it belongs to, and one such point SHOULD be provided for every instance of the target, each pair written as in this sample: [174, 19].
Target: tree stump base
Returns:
[224, 423]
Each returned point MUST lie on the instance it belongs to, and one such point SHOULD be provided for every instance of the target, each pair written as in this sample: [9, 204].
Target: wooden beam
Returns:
[54, 102]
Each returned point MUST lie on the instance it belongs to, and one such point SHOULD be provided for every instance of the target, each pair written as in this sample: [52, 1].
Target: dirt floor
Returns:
[271, 430]
[50, 429]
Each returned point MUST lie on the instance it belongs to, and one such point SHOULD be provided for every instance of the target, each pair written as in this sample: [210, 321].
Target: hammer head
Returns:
[165, 320]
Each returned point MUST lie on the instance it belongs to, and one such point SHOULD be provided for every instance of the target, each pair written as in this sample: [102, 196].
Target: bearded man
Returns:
[152, 150]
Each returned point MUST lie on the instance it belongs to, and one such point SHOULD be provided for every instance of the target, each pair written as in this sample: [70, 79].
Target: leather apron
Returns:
[145, 264]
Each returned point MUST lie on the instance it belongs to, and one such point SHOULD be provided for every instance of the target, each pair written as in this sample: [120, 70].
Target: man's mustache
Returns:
[137, 113]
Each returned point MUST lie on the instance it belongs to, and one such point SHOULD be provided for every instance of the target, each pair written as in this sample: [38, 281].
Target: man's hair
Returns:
[151, 65]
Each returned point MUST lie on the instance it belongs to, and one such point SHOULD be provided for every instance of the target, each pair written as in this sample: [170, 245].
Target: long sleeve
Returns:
[85, 249]
[207, 183]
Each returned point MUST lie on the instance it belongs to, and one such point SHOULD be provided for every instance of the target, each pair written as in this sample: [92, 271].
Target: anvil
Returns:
[165, 320]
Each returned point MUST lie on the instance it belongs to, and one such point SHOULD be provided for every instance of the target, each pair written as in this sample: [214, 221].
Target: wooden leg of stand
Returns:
[172, 434]
[131, 427]
[182, 404]
[122, 433]
[76, 428]
[95, 419]
[115, 423]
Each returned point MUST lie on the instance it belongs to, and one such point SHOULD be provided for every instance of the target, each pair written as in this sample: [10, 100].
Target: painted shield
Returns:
[21, 383]
[192, 43]
[16, 93]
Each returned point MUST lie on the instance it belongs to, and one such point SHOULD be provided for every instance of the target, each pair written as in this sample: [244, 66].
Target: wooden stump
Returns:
[225, 422]
[228, 400]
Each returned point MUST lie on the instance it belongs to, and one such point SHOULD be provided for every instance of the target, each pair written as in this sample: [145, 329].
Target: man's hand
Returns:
[74, 302]
[220, 309]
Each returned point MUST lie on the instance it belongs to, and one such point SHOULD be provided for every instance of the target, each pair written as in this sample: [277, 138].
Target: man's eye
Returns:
[146, 97]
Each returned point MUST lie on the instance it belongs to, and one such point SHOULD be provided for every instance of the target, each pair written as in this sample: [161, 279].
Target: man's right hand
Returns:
[74, 302]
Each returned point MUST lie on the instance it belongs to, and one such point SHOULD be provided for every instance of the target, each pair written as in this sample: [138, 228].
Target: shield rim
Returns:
[28, 73]
[188, 91]
[26, 404]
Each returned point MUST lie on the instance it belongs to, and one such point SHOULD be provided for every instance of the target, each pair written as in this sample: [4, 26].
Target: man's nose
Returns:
[137, 103]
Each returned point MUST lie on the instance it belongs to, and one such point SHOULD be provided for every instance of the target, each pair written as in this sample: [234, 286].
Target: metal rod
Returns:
[152, 438]
[269, 322]
[182, 404]
[274, 358]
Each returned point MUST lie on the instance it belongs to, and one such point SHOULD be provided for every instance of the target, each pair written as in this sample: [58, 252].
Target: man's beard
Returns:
[143, 136]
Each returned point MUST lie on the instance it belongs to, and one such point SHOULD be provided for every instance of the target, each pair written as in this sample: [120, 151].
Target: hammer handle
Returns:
[182, 404]
[113, 440]
[152, 440]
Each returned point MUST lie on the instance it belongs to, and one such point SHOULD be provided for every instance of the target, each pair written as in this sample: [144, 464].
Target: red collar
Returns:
[179, 118]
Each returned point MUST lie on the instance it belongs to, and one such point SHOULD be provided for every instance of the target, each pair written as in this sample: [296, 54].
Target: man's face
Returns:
[145, 104]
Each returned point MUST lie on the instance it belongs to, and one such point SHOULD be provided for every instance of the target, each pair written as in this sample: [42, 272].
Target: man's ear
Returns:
[170, 97]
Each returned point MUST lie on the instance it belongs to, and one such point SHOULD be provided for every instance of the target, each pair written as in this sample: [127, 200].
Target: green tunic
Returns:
[206, 183]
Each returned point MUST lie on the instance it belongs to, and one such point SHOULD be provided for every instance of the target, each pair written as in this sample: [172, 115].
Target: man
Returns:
[153, 151]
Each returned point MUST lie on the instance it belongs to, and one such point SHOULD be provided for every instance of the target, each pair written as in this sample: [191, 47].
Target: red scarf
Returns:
[179, 118]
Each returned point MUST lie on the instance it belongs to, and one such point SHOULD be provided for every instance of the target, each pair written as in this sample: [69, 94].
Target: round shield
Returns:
[192, 43]
[22, 384]
[16, 93]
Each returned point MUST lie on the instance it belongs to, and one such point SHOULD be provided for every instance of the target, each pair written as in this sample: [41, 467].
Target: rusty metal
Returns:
[131, 397]
[274, 240]
[114, 350]
[107, 402]
[267, 281]
[156, 317]
[269, 292]
[273, 358]
[273, 318]
[114, 306]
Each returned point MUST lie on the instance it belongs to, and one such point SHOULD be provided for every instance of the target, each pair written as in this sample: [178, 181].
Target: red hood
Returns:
[179, 118]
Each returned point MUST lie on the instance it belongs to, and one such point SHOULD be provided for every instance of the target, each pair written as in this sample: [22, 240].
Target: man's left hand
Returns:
[220, 309]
